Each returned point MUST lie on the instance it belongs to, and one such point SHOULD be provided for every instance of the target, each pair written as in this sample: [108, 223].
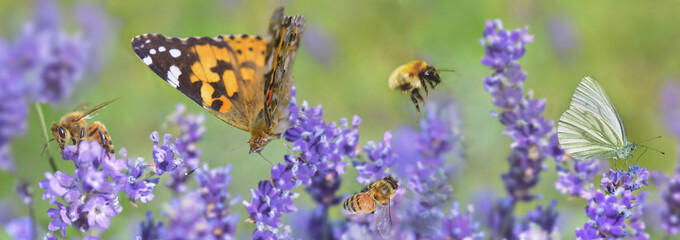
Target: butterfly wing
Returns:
[278, 81]
[223, 74]
[591, 127]
[383, 220]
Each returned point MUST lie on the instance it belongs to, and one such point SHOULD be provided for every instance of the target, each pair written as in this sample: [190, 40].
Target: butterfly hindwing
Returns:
[285, 40]
[221, 74]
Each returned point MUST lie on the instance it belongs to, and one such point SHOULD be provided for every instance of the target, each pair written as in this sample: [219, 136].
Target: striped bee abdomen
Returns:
[359, 203]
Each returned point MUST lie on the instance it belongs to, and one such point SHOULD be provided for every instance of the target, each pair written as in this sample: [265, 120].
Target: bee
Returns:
[74, 126]
[375, 199]
[410, 77]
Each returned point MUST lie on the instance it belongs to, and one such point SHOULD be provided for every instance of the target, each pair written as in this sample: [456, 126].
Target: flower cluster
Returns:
[608, 212]
[573, 183]
[533, 137]
[42, 64]
[90, 195]
[459, 225]
[322, 147]
[191, 130]
[203, 213]
[670, 193]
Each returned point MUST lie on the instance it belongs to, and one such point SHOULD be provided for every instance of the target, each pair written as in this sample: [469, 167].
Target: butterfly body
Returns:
[591, 127]
[244, 80]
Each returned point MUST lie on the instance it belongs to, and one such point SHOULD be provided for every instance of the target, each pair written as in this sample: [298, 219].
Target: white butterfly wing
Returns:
[382, 220]
[591, 127]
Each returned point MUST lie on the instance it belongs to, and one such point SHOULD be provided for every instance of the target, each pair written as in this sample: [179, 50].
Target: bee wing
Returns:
[383, 220]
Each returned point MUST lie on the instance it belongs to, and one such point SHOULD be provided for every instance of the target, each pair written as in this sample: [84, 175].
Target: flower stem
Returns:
[41, 117]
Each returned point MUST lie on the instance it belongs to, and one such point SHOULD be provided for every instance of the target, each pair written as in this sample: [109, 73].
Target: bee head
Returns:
[60, 134]
[431, 75]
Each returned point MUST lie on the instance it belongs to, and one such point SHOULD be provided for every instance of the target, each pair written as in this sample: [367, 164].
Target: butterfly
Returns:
[591, 127]
[243, 80]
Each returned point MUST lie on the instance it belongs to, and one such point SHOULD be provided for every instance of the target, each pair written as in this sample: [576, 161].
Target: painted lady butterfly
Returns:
[242, 79]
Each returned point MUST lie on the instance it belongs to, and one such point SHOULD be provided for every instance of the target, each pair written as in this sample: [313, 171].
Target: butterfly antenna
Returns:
[265, 158]
[657, 137]
[638, 158]
[206, 162]
[659, 151]
[47, 144]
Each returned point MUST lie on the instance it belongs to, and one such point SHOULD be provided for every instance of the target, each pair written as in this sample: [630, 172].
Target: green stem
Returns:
[41, 117]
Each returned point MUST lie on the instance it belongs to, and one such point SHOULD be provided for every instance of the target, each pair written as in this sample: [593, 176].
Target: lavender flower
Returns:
[322, 147]
[573, 183]
[203, 213]
[380, 157]
[150, 230]
[191, 131]
[615, 180]
[91, 193]
[533, 137]
[670, 105]
[459, 225]
[20, 228]
[164, 155]
[608, 213]
[671, 197]
[13, 110]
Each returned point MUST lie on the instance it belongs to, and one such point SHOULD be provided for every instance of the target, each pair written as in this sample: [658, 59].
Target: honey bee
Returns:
[375, 199]
[74, 126]
[410, 77]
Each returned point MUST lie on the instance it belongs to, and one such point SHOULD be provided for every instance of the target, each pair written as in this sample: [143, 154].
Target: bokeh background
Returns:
[349, 49]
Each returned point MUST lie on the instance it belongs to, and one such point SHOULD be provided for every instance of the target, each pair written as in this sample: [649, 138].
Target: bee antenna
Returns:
[47, 144]
[206, 162]
[446, 70]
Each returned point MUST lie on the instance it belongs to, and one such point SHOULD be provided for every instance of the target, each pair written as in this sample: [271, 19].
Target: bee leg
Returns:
[106, 144]
[422, 83]
[415, 95]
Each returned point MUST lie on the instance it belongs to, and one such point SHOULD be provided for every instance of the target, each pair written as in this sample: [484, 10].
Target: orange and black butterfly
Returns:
[375, 199]
[243, 80]
[74, 126]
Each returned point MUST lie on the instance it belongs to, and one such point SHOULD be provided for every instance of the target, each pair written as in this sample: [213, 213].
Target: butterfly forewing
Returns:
[217, 73]
[591, 127]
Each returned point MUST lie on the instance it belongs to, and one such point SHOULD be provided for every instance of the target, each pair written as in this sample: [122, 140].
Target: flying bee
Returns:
[375, 199]
[412, 76]
[74, 126]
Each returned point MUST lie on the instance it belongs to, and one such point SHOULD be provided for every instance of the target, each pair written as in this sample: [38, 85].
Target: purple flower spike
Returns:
[164, 155]
[573, 183]
[459, 225]
[191, 129]
[626, 180]
[381, 156]
[533, 137]
[90, 195]
[20, 228]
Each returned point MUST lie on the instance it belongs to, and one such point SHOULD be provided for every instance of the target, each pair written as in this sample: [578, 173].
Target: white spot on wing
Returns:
[147, 60]
[161, 49]
[152, 51]
[175, 53]
[147, 41]
[173, 76]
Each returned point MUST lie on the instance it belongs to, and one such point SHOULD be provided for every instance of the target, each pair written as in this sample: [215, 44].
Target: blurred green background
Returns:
[350, 48]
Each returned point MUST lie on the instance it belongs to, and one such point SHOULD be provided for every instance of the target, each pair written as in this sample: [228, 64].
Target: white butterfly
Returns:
[591, 127]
